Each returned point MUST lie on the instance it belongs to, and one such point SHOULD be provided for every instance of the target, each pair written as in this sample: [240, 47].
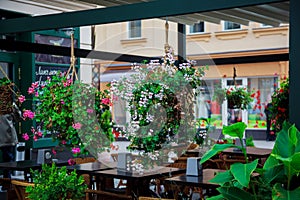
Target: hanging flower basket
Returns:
[238, 98]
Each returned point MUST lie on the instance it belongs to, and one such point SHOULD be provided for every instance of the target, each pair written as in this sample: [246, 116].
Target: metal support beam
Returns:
[144, 10]
[294, 68]
[181, 37]
[10, 45]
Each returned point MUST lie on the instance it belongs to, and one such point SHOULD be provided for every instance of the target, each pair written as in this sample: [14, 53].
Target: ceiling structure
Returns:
[269, 12]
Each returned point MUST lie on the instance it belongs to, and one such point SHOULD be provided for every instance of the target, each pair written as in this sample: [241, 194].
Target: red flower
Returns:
[263, 124]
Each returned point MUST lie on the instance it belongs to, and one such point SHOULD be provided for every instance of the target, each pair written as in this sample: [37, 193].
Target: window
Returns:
[263, 89]
[206, 106]
[231, 25]
[134, 29]
[197, 28]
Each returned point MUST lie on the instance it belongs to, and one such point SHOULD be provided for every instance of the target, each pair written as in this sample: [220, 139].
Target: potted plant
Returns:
[73, 113]
[53, 183]
[277, 179]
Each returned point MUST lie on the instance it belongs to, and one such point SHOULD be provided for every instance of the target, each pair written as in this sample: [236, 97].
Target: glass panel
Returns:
[56, 41]
[263, 89]
[206, 106]
[5, 69]
[135, 29]
[197, 28]
[231, 25]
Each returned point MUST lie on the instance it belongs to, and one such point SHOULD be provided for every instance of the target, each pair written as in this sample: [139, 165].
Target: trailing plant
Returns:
[53, 183]
[71, 112]
[159, 96]
[278, 179]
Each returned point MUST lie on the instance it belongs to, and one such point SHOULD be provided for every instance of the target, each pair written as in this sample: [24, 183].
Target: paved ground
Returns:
[264, 144]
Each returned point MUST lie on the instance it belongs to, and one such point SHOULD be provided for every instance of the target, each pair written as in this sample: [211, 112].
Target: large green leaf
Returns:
[281, 193]
[235, 130]
[286, 142]
[242, 172]
[222, 177]
[214, 150]
[234, 193]
[291, 163]
[218, 197]
[275, 173]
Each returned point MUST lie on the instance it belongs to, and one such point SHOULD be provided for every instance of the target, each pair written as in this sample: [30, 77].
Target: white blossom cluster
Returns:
[135, 166]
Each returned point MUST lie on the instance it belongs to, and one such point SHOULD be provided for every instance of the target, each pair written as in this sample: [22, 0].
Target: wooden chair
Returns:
[104, 195]
[81, 160]
[20, 187]
[151, 198]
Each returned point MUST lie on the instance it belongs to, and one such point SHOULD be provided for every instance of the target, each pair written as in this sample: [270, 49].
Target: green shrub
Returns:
[53, 183]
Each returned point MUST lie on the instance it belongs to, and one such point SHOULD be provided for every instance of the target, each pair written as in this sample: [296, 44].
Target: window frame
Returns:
[130, 30]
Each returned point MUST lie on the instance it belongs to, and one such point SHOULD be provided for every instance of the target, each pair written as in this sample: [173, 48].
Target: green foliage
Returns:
[279, 178]
[4, 81]
[53, 183]
[235, 130]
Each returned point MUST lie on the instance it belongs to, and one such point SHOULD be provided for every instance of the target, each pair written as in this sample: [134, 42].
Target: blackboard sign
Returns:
[44, 71]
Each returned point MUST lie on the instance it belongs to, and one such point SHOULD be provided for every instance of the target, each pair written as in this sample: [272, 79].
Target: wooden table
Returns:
[88, 169]
[196, 181]
[137, 184]
[252, 152]
[26, 165]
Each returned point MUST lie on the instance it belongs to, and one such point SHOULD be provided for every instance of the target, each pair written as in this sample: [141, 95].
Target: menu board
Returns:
[44, 71]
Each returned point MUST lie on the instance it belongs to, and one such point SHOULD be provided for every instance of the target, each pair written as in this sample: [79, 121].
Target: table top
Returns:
[26, 165]
[89, 167]
[152, 173]
[251, 151]
[199, 181]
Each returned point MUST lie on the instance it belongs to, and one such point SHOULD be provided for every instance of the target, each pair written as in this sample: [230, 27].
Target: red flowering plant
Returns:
[75, 114]
[280, 105]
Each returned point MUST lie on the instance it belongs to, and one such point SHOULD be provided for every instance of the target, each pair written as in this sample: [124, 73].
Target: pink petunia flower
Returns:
[71, 162]
[25, 136]
[89, 110]
[35, 138]
[35, 85]
[75, 150]
[53, 151]
[30, 90]
[21, 98]
[105, 101]
[28, 114]
[76, 126]
[62, 101]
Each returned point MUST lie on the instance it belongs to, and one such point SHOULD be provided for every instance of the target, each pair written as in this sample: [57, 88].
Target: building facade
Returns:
[203, 41]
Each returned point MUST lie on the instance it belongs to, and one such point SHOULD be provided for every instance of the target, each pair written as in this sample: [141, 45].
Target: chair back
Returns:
[20, 188]
[152, 198]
